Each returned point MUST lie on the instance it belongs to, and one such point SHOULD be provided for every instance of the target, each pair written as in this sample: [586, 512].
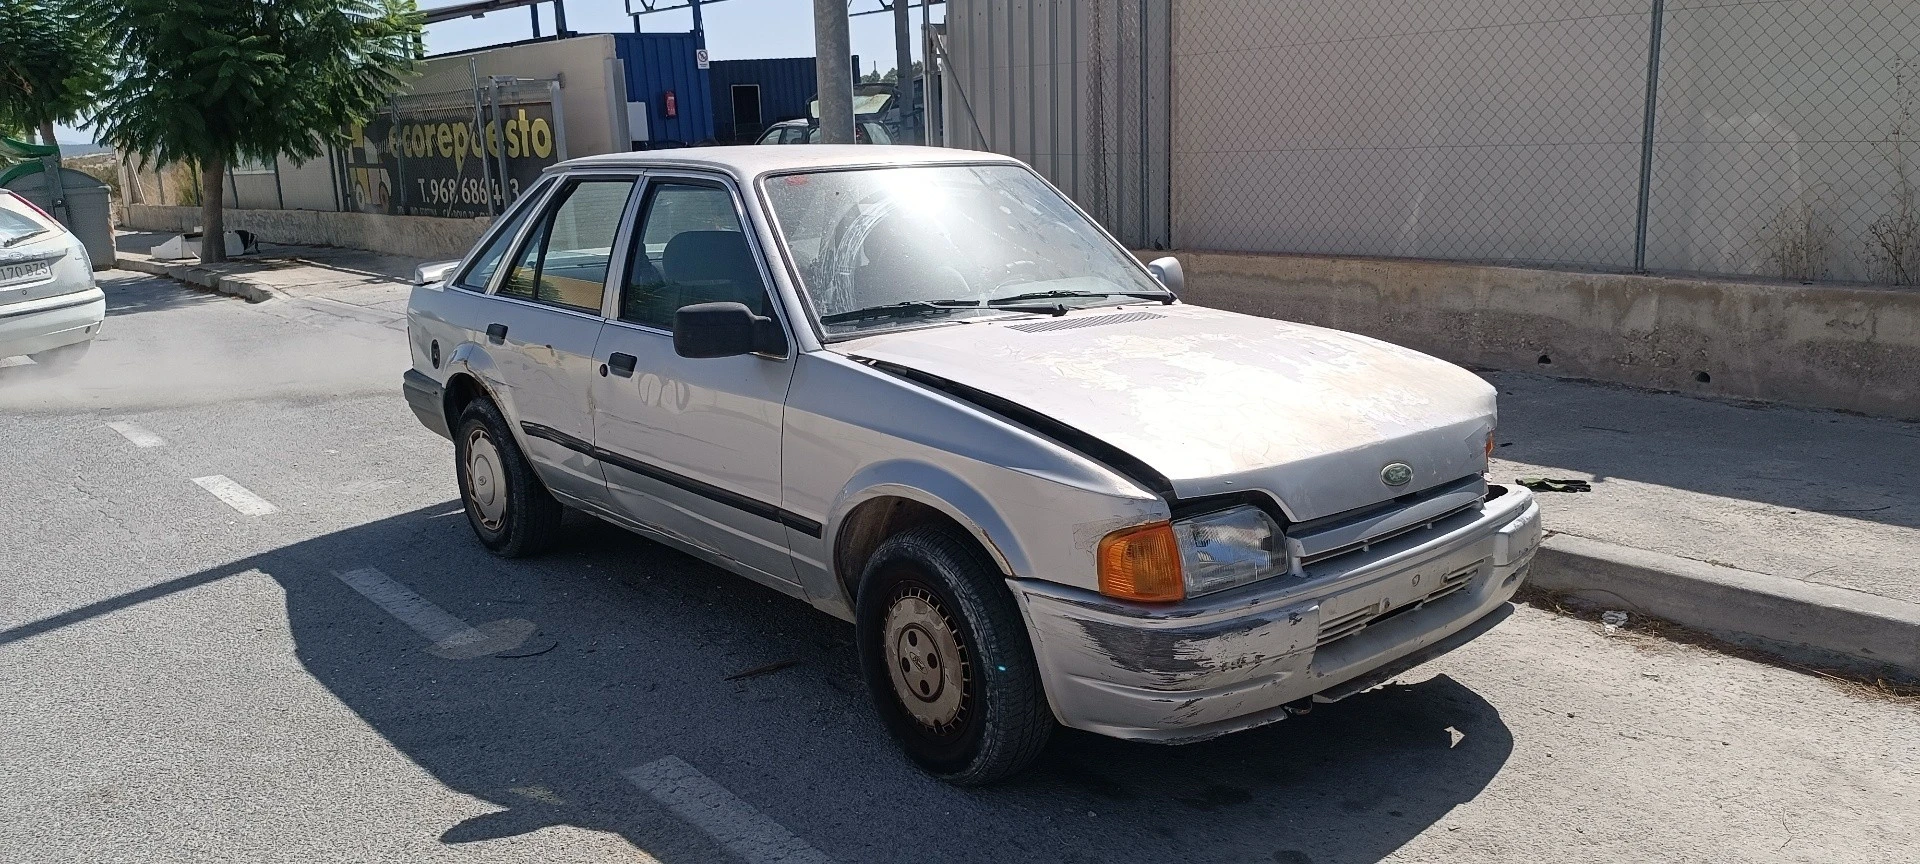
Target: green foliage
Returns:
[53, 61]
[215, 81]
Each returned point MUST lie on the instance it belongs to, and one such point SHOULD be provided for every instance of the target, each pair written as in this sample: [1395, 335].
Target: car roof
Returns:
[749, 161]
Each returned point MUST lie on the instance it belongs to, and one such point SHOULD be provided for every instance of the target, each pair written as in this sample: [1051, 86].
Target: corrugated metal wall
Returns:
[1076, 88]
[658, 63]
[786, 83]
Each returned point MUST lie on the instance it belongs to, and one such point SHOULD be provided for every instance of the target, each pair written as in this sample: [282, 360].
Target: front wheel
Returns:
[510, 510]
[947, 660]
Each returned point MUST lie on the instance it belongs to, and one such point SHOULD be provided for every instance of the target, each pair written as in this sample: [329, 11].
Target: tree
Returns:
[53, 63]
[214, 81]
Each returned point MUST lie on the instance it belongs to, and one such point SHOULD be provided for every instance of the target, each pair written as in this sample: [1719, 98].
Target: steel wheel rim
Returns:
[925, 660]
[484, 480]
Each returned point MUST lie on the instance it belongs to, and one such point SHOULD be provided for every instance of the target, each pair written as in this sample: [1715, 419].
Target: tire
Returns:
[62, 359]
[919, 583]
[510, 510]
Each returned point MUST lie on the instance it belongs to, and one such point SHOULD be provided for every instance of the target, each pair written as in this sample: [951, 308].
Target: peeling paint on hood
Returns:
[1223, 402]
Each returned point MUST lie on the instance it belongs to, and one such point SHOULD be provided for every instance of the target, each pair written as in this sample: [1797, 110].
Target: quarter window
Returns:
[691, 250]
[564, 261]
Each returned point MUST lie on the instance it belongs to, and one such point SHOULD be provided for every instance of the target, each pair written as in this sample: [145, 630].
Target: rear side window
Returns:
[481, 273]
[564, 261]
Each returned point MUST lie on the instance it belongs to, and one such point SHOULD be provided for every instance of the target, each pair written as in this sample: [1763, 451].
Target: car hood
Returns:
[1220, 402]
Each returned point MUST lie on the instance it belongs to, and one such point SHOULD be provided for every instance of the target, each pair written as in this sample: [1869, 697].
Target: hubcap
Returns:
[925, 660]
[484, 486]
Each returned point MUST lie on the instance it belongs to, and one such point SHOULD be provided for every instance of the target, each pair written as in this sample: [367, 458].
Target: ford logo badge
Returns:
[1397, 474]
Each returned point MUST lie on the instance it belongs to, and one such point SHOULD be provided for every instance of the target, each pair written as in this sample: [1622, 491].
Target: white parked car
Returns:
[50, 308]
[921, 390]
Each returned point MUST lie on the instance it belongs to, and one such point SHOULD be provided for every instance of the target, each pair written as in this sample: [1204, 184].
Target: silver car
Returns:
[922, 391]
[50, 308]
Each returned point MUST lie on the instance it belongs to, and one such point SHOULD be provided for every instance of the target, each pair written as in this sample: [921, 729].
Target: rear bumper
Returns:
[427, 399]
[40, 325]
[1234, 661]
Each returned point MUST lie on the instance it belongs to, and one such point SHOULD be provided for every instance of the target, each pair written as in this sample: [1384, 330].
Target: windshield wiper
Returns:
[27, 236]
[1167, 298]
[897, 310]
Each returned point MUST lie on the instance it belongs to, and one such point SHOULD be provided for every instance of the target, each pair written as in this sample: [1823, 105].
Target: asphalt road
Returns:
[226, 536]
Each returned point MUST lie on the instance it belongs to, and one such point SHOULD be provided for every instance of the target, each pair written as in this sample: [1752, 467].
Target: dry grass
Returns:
[1651, 634]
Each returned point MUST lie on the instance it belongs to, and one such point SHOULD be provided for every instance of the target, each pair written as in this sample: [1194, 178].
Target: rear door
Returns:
[543, 322]
[692, 446]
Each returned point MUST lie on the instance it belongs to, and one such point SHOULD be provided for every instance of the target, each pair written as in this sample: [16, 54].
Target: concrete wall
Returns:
[1851, 348]
[413, 236]
[252, 188]
[312, 185]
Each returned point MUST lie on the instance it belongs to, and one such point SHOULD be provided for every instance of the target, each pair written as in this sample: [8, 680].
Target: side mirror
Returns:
[724, 330]
[438, 271]
[1168, 271]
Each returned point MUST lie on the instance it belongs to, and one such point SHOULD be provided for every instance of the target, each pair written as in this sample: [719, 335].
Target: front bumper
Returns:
[427, 399]
[1233, 661]
[33, 326]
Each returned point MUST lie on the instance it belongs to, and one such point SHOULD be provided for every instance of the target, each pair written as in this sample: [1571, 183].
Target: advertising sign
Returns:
[438, 161]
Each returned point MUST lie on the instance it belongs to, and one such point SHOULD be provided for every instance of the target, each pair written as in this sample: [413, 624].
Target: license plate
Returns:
[27, 272]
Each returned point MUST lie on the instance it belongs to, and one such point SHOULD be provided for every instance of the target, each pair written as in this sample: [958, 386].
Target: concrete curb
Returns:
[238, 286]
[1786, 616]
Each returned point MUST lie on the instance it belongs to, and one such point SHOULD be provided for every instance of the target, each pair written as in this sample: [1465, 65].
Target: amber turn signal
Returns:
[1141, 563]
[1490, 444]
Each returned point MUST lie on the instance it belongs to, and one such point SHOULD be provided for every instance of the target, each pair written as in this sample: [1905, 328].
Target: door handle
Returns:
[622, 364]
[496, 333]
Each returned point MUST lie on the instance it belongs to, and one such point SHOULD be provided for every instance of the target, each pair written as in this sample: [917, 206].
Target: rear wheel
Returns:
[947, 660]
[510, 510]
[63, 358]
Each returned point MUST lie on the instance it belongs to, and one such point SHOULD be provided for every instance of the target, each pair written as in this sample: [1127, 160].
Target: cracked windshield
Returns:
[899, 247]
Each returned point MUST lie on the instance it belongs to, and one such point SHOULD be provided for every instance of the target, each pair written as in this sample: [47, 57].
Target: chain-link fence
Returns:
[1745, 137]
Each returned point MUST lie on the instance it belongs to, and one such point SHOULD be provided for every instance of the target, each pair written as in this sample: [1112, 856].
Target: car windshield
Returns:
[884, 248]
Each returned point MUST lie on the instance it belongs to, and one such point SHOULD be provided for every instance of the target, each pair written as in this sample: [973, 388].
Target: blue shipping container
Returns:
[783, 86]
[661, 63]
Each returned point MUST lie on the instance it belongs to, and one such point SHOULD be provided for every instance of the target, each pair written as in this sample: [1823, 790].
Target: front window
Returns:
[885, 248]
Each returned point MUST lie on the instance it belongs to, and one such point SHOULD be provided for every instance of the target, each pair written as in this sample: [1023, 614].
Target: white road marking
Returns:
[437, 624]
[139, 436]
[731, 822]
[236, 495]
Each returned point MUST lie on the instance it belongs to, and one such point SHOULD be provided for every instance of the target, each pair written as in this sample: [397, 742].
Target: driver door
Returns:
[691, 447]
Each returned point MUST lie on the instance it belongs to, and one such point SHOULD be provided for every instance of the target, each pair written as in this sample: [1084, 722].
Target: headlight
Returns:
[1229, 549]
[1191, 557]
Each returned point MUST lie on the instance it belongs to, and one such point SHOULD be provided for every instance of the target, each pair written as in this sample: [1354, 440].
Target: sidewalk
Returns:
[1783, 527]
[369, 280]
[1795, 530]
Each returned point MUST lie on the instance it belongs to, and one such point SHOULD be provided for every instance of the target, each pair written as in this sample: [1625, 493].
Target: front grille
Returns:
[1335, 629]
[1362, 545]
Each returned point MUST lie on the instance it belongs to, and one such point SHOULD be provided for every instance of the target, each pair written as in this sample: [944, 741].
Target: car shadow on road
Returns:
[133, 294]
[642, 642]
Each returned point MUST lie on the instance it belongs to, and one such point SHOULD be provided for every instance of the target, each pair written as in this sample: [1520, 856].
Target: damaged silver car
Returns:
[922, 391]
